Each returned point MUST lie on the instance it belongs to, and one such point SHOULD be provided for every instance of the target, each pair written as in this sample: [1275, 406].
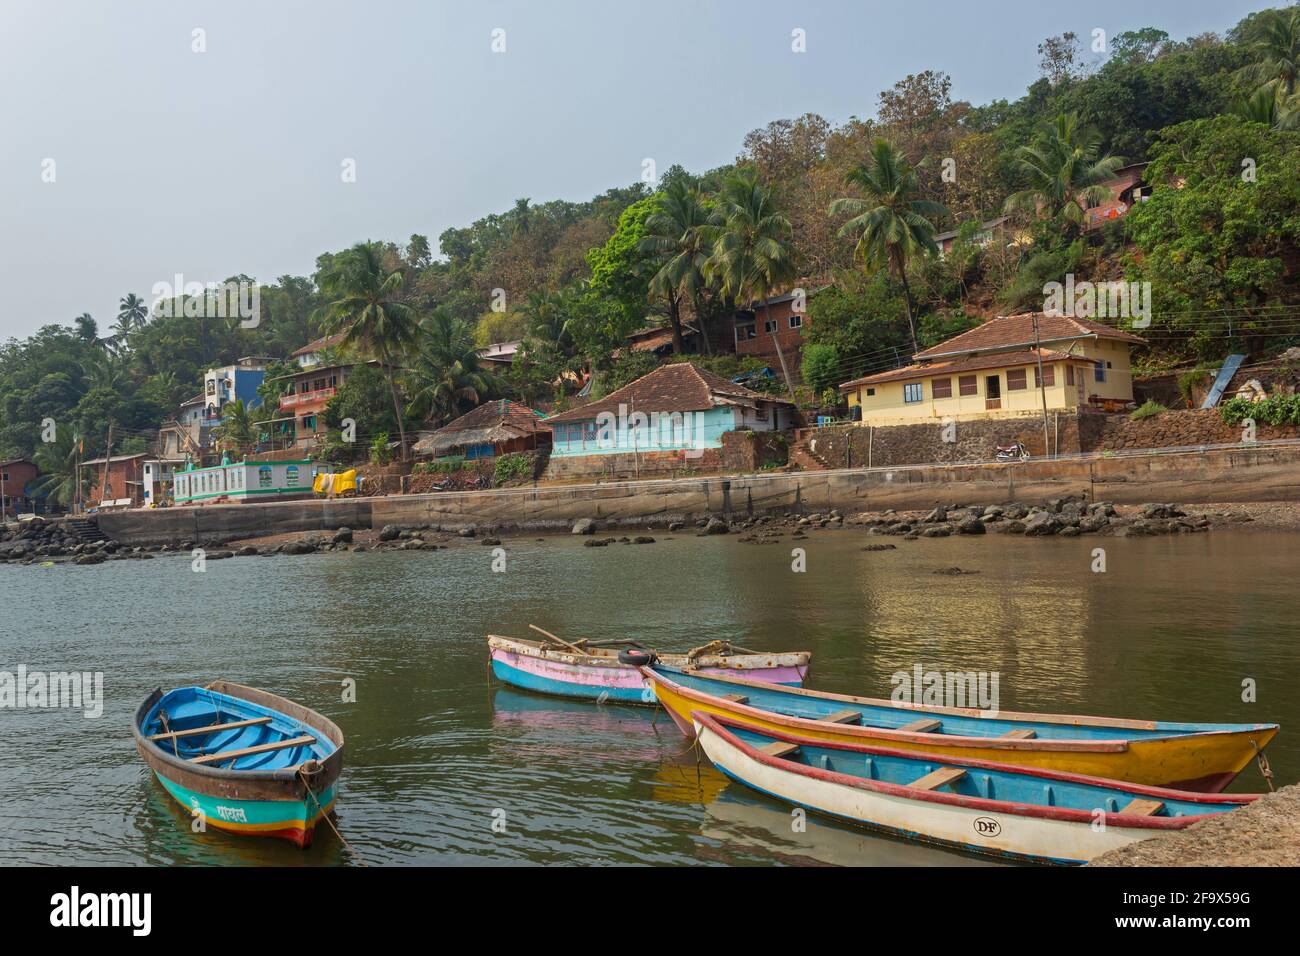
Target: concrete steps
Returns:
[85, 529]
[802, 456]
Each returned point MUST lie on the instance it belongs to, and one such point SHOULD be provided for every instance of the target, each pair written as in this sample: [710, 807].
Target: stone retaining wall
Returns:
[1259, 473]
[645, 463]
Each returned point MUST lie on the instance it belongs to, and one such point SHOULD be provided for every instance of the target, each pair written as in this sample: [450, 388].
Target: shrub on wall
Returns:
[513, 467]
[1278, 410]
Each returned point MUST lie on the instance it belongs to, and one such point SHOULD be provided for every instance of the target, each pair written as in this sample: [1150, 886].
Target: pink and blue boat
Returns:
[604, 674]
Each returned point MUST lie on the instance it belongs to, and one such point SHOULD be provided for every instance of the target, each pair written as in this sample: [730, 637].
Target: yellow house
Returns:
[993, 371]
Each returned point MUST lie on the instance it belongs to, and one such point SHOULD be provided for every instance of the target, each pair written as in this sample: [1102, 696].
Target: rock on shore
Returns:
[1265, 833]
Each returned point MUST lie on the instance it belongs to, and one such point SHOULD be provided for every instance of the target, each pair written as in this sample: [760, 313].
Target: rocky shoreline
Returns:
[40, 540]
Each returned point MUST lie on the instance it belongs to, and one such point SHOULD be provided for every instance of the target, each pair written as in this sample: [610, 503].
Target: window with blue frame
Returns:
[913, 392]
[1099, 371]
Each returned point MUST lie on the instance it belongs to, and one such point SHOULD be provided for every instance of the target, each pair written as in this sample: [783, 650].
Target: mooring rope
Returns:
[302, 775]
[1264, 768]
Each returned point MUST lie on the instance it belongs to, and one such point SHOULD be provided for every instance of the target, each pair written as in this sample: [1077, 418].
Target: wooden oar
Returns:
[559, 640]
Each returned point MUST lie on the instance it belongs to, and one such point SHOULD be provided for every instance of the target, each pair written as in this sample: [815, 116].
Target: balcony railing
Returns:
[306, 398]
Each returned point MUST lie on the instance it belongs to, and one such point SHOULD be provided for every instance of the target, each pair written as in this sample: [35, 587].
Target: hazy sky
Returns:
[227, 161]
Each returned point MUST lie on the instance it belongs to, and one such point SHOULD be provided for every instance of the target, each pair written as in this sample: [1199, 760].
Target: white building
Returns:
[246, 481]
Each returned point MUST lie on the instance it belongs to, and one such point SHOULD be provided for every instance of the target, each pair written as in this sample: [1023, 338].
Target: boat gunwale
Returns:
[720, 727]
[590, 658]
[158, 758]
[1066, 720]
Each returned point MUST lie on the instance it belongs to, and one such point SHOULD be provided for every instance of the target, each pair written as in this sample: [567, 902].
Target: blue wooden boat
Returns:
[246, 760]
[973, 805]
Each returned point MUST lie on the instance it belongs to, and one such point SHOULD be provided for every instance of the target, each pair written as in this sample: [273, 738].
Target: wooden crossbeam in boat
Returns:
[259, 749]
[1023, 734]
[927, 726]
[736, 698]
[1143, 808]
[778, 748]
[211, 728]
[938, 778]
[843, 717]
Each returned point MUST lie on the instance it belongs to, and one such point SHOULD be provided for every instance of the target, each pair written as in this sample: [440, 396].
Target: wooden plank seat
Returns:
[1022, 734]
[926, 726]
[211, 728]
[1143, 808]
[938, 778]
[843, 717]
[259, 749]
[736, 698]
[778, 748]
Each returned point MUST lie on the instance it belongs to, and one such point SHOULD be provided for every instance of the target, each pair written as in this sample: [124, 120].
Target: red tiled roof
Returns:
[1017, 331]
[496, 413]
[675, 387]
[321, 343]
[955, 366]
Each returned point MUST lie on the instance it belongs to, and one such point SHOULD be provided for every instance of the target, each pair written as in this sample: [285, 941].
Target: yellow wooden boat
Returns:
[1201, 757]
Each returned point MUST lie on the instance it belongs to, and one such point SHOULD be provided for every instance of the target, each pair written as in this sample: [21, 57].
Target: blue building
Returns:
[676, 414]
[230, 383]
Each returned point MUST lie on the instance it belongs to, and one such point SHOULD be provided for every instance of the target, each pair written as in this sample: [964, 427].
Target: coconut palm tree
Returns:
[676, 236]
[237, 431]
[1273, 42]
[1267, 106]
[447, 378]
[1064, 168]
[87, 329]
[750, 253]
[892, 226]
[132, 312]
[57, 463]
[365, 303]
[105, 370]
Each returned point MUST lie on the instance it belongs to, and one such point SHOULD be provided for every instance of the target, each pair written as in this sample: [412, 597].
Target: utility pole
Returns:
[108, 460]
[1042, 389]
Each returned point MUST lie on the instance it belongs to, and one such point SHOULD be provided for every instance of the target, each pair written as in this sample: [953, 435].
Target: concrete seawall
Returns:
[1238, 474]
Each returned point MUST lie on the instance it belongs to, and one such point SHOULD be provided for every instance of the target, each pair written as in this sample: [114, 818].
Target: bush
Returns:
[1148, 409]
[514, 467]
[379, 450]
[1278, 410]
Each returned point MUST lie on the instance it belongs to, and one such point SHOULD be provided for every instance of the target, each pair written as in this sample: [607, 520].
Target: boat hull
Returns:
[1200, 762]
[964, 824]
[293, 819]
[588, 677]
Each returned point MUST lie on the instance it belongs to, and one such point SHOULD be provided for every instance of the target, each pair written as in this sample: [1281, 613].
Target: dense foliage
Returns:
[849, 212]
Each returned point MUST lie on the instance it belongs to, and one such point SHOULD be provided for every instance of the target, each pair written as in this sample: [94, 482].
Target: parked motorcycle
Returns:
[1014, 452]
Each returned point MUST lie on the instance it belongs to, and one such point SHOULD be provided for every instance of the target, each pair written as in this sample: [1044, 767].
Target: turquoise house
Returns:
[677, 409]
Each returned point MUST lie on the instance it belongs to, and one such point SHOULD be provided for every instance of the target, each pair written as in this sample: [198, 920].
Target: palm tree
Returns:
[87, 329]
[366, 306]
[750, 255]
[57, 463]
[447, 377]
[1274, 43]
[891, 225]
[237, 431]
[1064, 168]
[132, 312]
[105, 370]
[1266, 105]
[676, 235]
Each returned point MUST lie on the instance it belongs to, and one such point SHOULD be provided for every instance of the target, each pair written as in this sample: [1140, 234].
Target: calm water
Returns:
[1170, 631]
